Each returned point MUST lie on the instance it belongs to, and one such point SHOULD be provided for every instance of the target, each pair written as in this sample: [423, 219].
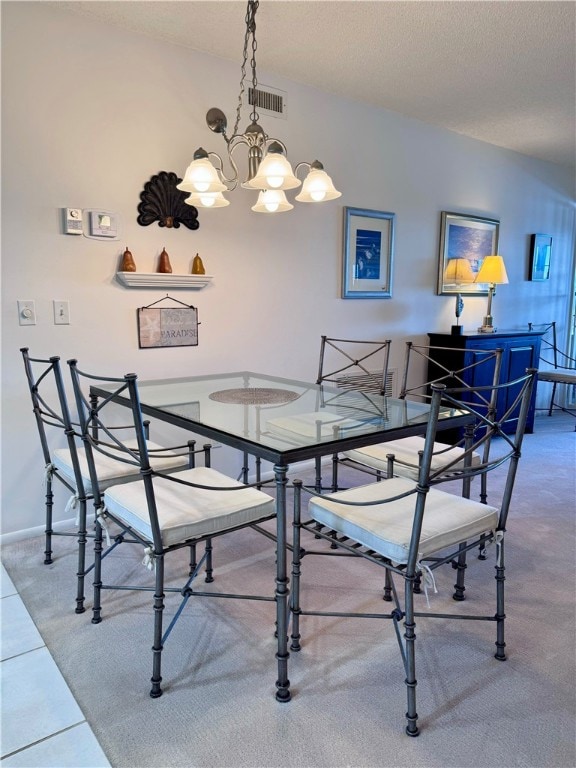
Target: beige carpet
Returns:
[348, 705]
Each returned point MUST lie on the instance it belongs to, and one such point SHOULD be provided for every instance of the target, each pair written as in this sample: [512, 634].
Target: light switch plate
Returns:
[61, 312]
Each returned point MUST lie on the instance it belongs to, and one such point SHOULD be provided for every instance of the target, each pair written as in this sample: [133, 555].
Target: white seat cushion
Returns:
[387, 528]
[406, 450]
[312, 426]
[184, 512]
[110, 471]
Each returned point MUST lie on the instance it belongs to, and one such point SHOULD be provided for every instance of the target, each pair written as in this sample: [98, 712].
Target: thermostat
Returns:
[72, 221]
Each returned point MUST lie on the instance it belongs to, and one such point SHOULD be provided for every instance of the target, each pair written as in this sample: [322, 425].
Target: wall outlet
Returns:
[61, 312]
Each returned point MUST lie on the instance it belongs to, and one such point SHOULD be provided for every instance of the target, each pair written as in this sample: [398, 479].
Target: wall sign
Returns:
[167, 327]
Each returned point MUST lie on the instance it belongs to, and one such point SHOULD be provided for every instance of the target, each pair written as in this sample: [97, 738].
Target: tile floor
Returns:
[42, 726]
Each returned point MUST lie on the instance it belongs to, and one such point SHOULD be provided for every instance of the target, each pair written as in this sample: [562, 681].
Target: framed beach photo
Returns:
[540, 254]
[368, 254]
[470, 238]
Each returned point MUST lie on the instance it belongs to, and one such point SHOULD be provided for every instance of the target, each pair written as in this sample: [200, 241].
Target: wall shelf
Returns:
[162, 280]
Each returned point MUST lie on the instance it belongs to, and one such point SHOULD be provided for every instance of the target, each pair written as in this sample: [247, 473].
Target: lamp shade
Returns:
[493, 270]
[274, 172]
[207, 200]
[317, 188]
[272, 201]
[201, 176]
[458, 272]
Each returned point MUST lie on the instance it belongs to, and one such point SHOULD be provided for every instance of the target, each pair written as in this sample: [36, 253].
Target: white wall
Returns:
[90, 113]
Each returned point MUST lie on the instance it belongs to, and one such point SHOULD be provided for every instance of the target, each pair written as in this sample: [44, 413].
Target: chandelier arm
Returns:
[302, 164]
[233, 180]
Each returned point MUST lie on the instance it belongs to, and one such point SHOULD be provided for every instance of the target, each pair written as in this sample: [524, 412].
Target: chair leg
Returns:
[156, 678]
[96, 607]
[500, 615]
[48, 529]
[296, 560]
[334, 472]
[410, 636]
[552, 399]
[460, 566]
[387, 587]
[193, 563]
[82, 538]
[209, 569]
[318, 475]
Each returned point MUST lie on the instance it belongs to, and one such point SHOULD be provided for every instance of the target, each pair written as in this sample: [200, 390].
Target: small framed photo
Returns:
[470, 238]
[540, 253]
[368, 254]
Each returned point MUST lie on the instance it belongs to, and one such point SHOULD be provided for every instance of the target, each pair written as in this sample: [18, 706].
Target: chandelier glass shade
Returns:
[269, 171]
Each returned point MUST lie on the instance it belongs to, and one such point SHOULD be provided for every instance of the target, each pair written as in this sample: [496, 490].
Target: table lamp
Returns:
[458, 272]
[492, 271]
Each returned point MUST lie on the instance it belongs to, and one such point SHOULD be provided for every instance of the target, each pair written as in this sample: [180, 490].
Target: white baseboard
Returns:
[38, 530]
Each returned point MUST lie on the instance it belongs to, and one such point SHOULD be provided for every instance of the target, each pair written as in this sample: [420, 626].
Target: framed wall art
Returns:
[167, 327]
[540, 253]
[471, 238]
[368, 254]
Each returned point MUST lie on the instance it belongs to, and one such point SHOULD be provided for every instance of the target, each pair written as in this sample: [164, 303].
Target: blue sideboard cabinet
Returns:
[520, 350]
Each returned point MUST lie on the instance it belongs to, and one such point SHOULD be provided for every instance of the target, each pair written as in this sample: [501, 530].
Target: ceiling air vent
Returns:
[268, 101]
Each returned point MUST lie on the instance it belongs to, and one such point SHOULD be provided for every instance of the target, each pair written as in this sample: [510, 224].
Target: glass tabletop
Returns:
[279, 413]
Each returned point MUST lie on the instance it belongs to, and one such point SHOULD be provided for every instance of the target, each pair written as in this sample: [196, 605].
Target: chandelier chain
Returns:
[250, 22]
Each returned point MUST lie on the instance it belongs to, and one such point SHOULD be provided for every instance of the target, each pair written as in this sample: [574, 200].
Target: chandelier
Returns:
[269, 172]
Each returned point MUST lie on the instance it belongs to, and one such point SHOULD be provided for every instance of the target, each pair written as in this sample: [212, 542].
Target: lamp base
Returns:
[456, 330]
[487, 326]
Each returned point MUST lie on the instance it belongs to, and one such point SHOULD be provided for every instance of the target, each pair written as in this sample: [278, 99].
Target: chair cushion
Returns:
[185, 512]
[406, 449]
[108, 470]
[387, 528]
[312, 426]
[561, 377]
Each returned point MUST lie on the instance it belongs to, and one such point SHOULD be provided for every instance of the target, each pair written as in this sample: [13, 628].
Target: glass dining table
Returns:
[283, 421]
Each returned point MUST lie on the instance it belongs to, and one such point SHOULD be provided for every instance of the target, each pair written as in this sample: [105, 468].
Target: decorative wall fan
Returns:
[160, 201]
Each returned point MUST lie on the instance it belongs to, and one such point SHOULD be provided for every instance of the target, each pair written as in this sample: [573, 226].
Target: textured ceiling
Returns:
[501, 72]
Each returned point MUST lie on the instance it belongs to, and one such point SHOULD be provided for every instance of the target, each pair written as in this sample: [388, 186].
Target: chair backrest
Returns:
[475, 371]
[127, 443]
[503, 452]
[355, 364]
[549, 351]
[50, 407]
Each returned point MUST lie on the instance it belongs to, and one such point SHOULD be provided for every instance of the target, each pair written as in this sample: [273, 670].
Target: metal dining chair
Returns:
[161, 513]
[558, 368]
[344, 365]
[65, 459]
[412, 528]
[479, 365]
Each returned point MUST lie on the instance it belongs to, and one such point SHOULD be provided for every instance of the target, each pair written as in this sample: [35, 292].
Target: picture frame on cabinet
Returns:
[465, 237]
[540, 256]
[368, 254]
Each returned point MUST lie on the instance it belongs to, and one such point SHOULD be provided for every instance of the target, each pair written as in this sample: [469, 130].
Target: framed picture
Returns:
[470, 238]
[368, 254]
[540, 253]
